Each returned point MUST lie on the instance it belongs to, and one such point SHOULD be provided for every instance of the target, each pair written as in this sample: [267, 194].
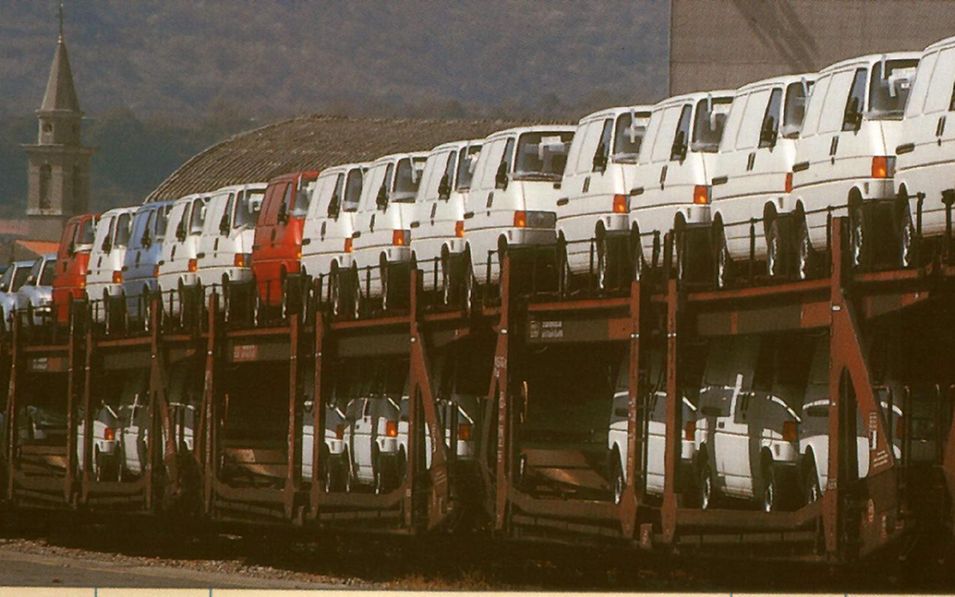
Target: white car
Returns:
[654, 434]
[225, 244]
[437, 232]
[371, 438]
[593, 213]
[381, 243]
[104, 278]
[335, 476]
[34, 303]
[753, 175]
[178, 266]
[747, 427]
[13, 278]
[845, 159]
[512, 197]
[926, 149]
[671, 183]
[327, 234]
[105, 464]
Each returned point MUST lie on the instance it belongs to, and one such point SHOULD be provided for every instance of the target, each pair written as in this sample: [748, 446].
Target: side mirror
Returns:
[444, 188]
[500, 180]
[600, 159]
[181, 230]
[107, 244]
[853, 115]
[334, 207]
[146, 240]
[382, 199]
[71, 250]
[678, 149]
[4, 288]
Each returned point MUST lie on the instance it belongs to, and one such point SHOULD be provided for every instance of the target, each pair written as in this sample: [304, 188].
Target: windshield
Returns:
[628, 136]
[542, 155]
[407, 179]
[356, 177]
[247, 208]
[888, 92]
[795, 109]
[124, 227]
[46, 279]
[708, 124]
[466, 168]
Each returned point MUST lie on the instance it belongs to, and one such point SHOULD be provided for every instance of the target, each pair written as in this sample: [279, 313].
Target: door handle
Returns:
[834, 146]
[586, 186]
[940, 129]
[490, 200]
[663, 176]
[371, 224]
[434, 210]
[324, 224]
[751, 161]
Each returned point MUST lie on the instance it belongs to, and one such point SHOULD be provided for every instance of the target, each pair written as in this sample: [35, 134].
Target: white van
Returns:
[593, 215]
[225, 245]
[671, 183]
[753, 174]
[512, 198]
[926, 149]
[381, 248]
[178, 262]
[329, 224]
[845, 157]
[104, 279]
[437, 232]
[747, 428]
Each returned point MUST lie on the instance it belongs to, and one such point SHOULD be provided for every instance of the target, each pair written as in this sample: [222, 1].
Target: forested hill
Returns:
[179, 74]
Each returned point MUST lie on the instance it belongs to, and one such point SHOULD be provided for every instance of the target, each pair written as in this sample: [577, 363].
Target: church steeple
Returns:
[59, 163]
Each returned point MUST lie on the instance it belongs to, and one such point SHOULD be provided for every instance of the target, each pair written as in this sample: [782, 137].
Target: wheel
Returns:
[108, 314]
[356, 294]
[98, 467]
[284, 299]
[721, 257]
[445, 278]
[183, 299]
[810, 482]
[380, 482]
[226, 306]
[564, 275]
[769, 496]
[522, 472]
[804, 252]
[905, 232]
[636, 255]
[603, 258]
[775, 255]
[679, 249]
[384, 269]
[467, 272]
[857, 230]
[335, 290]
[707, 491]
[618, 482]
[346, 473]
[328, 472]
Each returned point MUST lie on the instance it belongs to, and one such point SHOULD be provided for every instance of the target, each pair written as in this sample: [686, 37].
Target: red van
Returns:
[72, 263]
[277, 248]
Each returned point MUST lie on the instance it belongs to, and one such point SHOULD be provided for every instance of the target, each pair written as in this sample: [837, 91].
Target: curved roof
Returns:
[312, 142]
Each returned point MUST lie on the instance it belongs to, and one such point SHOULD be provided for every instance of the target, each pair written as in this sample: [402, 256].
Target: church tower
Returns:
[59, 165]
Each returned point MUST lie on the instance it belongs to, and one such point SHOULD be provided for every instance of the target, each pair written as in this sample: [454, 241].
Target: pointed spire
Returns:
[60, 92]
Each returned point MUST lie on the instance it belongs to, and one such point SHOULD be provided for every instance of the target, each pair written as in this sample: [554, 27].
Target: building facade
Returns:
[718, 44]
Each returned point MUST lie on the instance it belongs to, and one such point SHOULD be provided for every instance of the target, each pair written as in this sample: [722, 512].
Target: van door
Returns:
[937, 132]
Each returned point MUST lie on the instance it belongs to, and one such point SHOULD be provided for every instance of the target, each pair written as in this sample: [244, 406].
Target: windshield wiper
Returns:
[536, 176]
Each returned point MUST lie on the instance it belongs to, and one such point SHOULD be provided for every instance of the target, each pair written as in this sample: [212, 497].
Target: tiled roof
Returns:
[312, 142]
[37, 247]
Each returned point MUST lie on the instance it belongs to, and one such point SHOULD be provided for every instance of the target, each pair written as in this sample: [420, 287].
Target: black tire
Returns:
[386, 290]
[602, 251]
[356, 294]
[905, 233]
[858, 229]
[775, 251]
[401, 469]
[805, 257]
[467, 294]
[637, 262]
[706, 488]
[810, 481]
[722, 264]
[446, 278]
[565, 278]
[769, 495]
[183, 307]
[680, 243]
[335, 290]
[618, 483]
[380, 483]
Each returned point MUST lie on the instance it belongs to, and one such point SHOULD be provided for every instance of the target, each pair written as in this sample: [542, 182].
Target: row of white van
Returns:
[866, 137]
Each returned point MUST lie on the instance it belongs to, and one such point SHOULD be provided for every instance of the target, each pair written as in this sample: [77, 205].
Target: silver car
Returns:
[13, 278]
[34, 302]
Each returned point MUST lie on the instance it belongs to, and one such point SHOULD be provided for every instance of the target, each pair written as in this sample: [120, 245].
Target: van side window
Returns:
[708, 123]
[794, 111]
[602, 153]
[107, 242]
[146, 237]
[123, 229]
[681, 136]
[924, 80]
[226, 219]
[628, 136]
[466, 162]
[160, 221]
[507, 158]
[335, 202]
[197, 216]
[447, 179]
[855, 104]
[770, 125]
[353, 189]
[302, 198]
[941, 86]
[747, 137]
[814, 105]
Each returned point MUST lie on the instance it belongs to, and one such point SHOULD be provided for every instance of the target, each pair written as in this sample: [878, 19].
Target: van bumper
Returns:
[518, 237]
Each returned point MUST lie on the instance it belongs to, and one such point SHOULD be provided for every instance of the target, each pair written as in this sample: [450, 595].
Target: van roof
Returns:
[456, 144]
[614, 112]
[343, 168]
[694, 97]
[260, 186]
[119, 210]
[948, 41]
[398, 156]
[554, 128]
[870, 59]
[773, 81]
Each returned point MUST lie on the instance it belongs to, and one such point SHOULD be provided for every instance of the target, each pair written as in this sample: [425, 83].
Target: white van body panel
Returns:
[180, 247]
[326, 237]
[107, 257]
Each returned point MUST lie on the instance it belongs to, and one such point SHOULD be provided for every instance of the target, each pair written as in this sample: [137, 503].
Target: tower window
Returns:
[46, 173]
[47, 127]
